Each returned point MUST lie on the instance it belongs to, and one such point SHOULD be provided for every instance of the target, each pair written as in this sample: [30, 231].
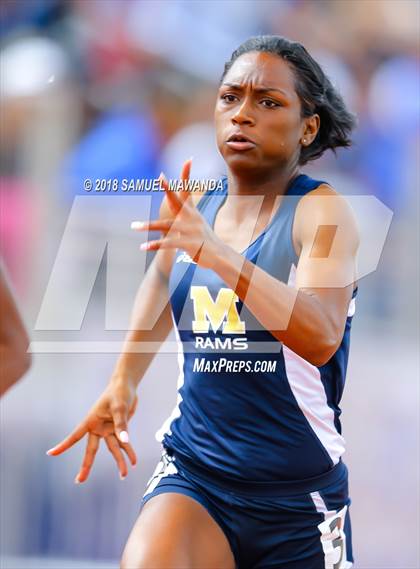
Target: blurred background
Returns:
[124, 89]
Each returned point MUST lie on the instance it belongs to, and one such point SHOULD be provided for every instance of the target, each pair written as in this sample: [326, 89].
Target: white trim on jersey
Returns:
[320, 505]
[306, 385]
[176, 412]
[333, 537]
[164, 468]
[352, 307]
[308, 390]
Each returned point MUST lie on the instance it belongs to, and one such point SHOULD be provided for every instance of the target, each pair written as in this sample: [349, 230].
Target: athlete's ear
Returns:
[310, 130]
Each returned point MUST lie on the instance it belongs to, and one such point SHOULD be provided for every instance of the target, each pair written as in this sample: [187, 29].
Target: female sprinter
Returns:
[260, 281]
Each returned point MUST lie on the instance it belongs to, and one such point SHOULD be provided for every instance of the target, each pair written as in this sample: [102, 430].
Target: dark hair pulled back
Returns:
[314, 89]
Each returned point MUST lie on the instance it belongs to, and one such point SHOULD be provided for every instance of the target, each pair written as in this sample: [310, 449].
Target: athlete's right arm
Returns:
[151, 320]
[150, 325]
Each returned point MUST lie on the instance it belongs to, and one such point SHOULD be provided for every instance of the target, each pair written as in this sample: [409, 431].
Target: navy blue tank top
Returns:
[248, 407]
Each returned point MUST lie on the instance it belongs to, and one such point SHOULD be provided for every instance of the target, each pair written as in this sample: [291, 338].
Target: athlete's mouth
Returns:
[239, 141]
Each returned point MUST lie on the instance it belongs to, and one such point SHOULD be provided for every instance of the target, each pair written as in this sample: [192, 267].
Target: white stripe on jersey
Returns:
[352, 307]
[306, 385]
[333, 537]
[164, 468]
[176, 412]
[320, 505]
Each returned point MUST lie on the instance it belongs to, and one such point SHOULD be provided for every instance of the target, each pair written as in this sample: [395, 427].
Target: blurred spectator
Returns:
[29, 13]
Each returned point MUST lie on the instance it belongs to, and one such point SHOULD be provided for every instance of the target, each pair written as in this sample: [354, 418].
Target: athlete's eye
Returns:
[269, 104]
[228, 98]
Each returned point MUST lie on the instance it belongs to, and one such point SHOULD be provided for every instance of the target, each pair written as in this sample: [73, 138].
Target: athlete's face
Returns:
[257, 100]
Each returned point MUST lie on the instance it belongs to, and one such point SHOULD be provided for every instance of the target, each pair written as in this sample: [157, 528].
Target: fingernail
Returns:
[137, 225]
[122, 477]
[191, 158]
[77, 481]
[49, 451]
[144, 246]
[124, 437]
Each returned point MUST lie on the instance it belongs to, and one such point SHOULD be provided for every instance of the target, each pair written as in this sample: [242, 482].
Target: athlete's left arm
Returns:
[309, 315]
[326, 239]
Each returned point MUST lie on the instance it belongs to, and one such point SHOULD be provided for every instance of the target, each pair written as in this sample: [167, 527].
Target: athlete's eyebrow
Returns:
[257, 89]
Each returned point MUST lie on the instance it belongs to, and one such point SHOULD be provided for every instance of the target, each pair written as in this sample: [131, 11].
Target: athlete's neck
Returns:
[269, 185]
[268, 190]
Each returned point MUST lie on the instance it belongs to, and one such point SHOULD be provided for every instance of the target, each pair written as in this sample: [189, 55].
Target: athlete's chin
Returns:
[242, 161]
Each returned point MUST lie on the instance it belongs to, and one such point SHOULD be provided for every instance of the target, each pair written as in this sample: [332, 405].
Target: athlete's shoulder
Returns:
[324, 189]
[310, 207]
[324, 206]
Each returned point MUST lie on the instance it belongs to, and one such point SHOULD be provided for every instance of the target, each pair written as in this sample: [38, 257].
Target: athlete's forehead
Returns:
[261, 71]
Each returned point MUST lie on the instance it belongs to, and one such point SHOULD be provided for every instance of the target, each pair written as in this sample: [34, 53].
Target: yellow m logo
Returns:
[223, 311]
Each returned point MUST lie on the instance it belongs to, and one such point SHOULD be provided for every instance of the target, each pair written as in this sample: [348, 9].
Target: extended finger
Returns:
[127, 446]
[155, 225]
[161, 244]
[90, 453]
[175, 204]
[78, 433]
[185, 176]
[119, 412]
[114, 449]
[130, 452]
[186, 169]
[174, 243]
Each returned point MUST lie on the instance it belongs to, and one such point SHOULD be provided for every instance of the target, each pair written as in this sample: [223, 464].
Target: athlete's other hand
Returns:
[185, 228]
[107, 419]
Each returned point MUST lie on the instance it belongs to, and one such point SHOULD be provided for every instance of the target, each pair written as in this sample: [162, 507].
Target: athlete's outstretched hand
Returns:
[107, 419]
[186, 228]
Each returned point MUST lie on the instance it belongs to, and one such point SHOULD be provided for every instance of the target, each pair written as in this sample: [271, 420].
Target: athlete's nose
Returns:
[243, 114]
